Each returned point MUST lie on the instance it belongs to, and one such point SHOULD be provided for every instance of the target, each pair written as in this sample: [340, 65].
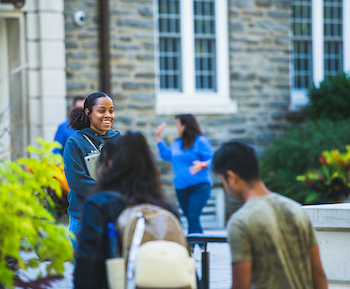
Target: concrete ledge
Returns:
[332, 225]
[332, 216]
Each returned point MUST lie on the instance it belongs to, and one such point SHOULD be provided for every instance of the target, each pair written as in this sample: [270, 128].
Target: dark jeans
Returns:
[192, 201]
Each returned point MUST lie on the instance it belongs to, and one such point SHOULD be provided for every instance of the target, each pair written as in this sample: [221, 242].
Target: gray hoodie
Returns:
[79, 180]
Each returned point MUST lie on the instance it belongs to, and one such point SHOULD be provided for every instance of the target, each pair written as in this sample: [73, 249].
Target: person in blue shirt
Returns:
[190, 155]
[63, 131]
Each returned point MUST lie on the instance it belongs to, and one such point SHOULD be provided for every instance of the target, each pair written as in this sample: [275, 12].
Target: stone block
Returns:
[140, 106]
[277, 115]
[77, 55]
[146, 11]
[143, 96]
[54, 110]
[141, 123]
[34, 89]
[284, 40]
[123, 120]
[76, 65]
[53, 83]
[126, 66]
[273, 25]
[33, 54]
[52, 54]
[264, 3]
[277, 104]
[264, 138]
[90, 44]
[32, 26]
[86, 36]
[241, 3]
[236, 27]
[237, 130]
[145, 57]
[51, 5]
[222, 121]
[135, 23]
[117, 55]
[126, 47]
[126, 38]
[119, 96]
[35, 109]
[276, 126]
[90, 75]
[149, 46]
[145, 75]
[280, 59]
[51, 26]
[279, 15]
[265, 78]
[283, 3]
[146, 35]
[72, 85]
[283, 69]
[71, 44]
[137, 85]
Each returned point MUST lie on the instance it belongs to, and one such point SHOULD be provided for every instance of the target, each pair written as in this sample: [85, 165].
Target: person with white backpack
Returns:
[128, 178]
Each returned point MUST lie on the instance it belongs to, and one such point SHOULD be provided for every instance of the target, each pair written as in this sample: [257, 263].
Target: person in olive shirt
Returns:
[272, 241]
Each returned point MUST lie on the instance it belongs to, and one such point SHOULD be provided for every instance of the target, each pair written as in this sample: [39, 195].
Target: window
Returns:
[333, 35]
[169, 44]
[204, 31]
[302, 43]
[321, 44]
[193, 77]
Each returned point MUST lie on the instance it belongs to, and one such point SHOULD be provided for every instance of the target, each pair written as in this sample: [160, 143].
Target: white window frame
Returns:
[189, 100]
[299, 96]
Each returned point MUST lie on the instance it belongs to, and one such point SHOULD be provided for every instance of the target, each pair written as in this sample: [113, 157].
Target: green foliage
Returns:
[331, 100]
[25, 224]
[331, 182]
[296, 152]
[47, 170]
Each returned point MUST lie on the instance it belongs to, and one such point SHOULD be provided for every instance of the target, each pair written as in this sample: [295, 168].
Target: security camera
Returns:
[80, 18]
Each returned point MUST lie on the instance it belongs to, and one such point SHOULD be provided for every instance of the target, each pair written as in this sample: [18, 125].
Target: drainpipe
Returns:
[105, 74]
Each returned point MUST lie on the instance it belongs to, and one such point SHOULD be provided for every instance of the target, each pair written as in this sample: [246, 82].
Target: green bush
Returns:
[297, 151]
[331, 100]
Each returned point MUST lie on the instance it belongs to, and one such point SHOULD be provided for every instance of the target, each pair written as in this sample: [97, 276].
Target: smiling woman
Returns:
[94, 123]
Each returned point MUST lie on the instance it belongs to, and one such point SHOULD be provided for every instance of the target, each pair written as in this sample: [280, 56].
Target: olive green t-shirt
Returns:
[275, 234]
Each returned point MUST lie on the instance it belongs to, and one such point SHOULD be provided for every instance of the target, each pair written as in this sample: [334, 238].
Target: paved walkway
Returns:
[219, 266]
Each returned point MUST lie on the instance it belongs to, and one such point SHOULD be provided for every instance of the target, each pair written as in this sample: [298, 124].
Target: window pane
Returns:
[205, 54]
[302, 44]
[333, 37]
[169, 44]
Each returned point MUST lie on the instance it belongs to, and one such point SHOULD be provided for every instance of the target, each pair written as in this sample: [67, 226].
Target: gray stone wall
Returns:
[259, 45]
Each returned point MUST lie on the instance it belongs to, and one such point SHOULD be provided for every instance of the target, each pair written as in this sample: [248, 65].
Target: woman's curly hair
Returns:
[77, 117]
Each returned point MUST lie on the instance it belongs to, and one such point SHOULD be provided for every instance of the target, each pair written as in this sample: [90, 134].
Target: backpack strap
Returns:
[135, 246]
[89, 140]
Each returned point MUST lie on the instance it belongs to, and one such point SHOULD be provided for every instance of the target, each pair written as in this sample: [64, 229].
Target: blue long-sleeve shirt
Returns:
[62, 134]
[182, 160]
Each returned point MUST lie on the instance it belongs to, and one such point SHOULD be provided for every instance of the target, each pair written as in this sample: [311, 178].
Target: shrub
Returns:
[296, 152]
[25, 224]
[331, 182]
[331, 100]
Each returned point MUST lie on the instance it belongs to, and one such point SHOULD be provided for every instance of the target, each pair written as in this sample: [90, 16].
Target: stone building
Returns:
[241, 66]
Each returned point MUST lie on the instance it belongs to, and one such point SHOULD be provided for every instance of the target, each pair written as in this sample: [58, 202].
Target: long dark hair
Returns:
[191, 131]
[77, 117]
[130, 169]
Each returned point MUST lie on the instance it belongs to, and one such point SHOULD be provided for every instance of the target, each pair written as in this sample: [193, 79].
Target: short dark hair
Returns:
[238, 157]
[191, 131]
[77, 98]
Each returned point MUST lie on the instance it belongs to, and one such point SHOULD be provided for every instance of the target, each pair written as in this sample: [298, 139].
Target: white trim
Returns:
[187, 47]
[317, 42]
[298, 99]
[346, 35]
[189, 100]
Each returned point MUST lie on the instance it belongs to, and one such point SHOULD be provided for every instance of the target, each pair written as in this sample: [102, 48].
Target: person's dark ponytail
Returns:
[77, 117]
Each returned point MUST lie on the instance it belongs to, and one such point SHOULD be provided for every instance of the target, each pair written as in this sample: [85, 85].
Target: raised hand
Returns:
[159, 131]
